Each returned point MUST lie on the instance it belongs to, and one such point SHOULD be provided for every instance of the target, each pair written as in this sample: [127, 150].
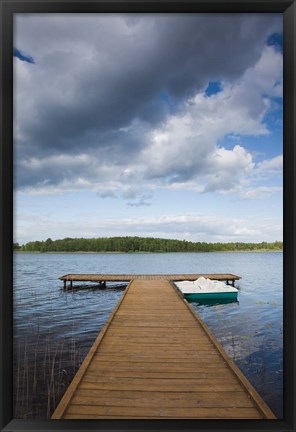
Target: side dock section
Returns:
[103, 278]
[156, 359]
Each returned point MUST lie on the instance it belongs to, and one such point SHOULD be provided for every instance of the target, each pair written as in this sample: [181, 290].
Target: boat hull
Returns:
[195, 297]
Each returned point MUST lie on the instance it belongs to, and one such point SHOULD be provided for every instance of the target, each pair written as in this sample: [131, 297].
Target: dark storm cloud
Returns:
[99, 75]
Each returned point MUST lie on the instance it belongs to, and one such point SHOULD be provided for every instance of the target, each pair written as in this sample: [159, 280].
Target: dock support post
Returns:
[71, 284]
[65, 284]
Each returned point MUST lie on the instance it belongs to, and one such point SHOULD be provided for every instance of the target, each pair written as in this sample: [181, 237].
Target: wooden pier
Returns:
[156, 359]
[103, 278]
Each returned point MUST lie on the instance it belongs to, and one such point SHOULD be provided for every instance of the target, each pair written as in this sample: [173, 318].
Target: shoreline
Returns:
[147, 252]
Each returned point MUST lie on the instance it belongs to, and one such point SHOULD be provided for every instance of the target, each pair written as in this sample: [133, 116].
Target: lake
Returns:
[54, 329]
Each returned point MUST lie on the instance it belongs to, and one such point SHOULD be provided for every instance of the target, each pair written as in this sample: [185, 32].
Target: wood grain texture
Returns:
[154, 359]
[129, 277]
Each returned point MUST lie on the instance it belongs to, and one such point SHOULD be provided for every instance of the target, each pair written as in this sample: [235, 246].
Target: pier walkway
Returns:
[103, 278]
[156, 359]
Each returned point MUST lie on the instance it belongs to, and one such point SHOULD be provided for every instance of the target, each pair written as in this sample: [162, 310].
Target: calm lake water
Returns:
[54, 329]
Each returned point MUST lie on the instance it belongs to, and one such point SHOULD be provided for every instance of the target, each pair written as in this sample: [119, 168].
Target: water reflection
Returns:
[54, 329]
[212, 302]
[94, 286]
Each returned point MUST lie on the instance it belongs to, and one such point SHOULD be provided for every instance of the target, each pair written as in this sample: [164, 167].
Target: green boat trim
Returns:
[210, 296]
[212, 302]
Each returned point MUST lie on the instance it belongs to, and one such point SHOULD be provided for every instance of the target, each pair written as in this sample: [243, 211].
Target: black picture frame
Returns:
[8, 8]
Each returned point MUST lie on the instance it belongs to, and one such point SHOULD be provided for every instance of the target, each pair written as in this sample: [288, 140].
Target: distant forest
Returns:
[139, 244]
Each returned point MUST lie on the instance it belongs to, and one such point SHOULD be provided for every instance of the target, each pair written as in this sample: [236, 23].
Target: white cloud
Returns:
[112, 106]
[271, 166]
[227, 166]
[192, 227]
[260, 192]
[96, 86]
[185, 147]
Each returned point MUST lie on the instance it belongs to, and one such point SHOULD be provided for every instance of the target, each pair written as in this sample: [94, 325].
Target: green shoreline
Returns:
[141, 245]
[143, 252]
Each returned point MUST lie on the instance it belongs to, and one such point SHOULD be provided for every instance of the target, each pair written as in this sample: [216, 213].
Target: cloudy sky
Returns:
[151, 125]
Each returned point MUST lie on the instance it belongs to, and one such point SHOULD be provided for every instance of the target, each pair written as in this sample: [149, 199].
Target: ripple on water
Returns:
[50, 323]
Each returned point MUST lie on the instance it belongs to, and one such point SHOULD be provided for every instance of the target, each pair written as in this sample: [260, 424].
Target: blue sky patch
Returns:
[214, 87]
[276, 40]
[23, 57]
[167, 99]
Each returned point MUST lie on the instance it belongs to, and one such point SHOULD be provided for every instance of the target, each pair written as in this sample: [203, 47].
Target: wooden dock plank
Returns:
[155, 358]
[159, 373]
[129, 277]
[167, 399]
[157, 385]
[78, 411]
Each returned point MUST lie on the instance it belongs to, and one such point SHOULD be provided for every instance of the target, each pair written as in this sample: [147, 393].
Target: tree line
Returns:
[139, 244]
